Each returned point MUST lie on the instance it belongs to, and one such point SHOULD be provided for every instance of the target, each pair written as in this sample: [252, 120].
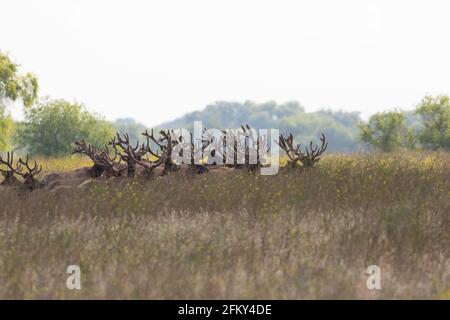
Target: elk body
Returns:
[82, 173]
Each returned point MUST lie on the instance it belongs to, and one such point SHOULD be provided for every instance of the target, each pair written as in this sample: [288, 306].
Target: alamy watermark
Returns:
[244, 146]
[73, 281]
[374, 280]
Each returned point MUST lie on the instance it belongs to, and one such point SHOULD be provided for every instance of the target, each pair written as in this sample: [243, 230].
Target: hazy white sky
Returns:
[156, 60]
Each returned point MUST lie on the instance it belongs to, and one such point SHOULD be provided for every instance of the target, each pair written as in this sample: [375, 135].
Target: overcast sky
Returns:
[156, 60]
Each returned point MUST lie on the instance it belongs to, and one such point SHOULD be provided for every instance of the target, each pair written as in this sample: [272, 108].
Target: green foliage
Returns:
[14, 86]
[6, 129]
[52, 126]
[435, 116]
[386, 131]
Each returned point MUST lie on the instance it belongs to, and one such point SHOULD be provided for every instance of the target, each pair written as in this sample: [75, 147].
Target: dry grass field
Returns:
[296, 235]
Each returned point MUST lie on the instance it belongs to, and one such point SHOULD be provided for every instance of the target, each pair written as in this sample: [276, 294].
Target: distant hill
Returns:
[339, 127]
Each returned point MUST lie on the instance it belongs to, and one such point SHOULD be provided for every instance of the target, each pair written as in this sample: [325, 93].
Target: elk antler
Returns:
[148, 165]
[286, 144]
[85, 148]
[313, 153]
[127, 148]
[9, 174]
[165, 144]
[255, 146]
[247, 146]
[31, 170]
[110, 163]
[295, 154]
[9, 163]
[218, 145]
[127, 152]
[29, 176]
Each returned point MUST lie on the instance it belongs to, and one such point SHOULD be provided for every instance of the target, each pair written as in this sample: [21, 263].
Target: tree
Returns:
[12, 87]
[6, 129]
[52, 126]
[386, 131]
[435, 116]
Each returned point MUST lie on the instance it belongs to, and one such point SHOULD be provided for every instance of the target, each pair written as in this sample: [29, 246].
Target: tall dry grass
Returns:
[295, 235]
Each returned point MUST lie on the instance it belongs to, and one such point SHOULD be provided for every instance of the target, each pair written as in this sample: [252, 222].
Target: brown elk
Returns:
[295, 154]
[166, 144]
[82, 173]
[29, 181]
[110, 162]
[104, 162]
[128, 153]
[150, 167]
[82, 147]
[9, 178]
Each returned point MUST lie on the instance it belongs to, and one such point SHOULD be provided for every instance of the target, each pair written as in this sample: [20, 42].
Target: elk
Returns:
[308, 158]
[254, 147]
[104, 162]
[29, 180]
[166, 144]
[110, 163]
[196, 153]
[148, 165]
[8, 174]
[219, 145]
[82, 173]
[82, 147]
[245, 147]
[128, 153]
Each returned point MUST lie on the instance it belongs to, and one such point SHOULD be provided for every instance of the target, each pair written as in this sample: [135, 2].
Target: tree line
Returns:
[50, 126]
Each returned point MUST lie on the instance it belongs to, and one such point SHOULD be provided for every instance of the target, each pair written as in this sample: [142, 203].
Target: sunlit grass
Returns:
[62, 164]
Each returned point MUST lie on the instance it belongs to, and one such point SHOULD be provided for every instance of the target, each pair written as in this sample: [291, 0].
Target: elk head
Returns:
[148, 165]
[166, 144]
[84, 148]
[29, 179]
[110, 162]
[8, 173]
[312, 153]
[308, 158]
[128, 153]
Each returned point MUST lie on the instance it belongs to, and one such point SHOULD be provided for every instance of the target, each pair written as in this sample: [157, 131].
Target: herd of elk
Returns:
[121, 158]
[28, 175]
